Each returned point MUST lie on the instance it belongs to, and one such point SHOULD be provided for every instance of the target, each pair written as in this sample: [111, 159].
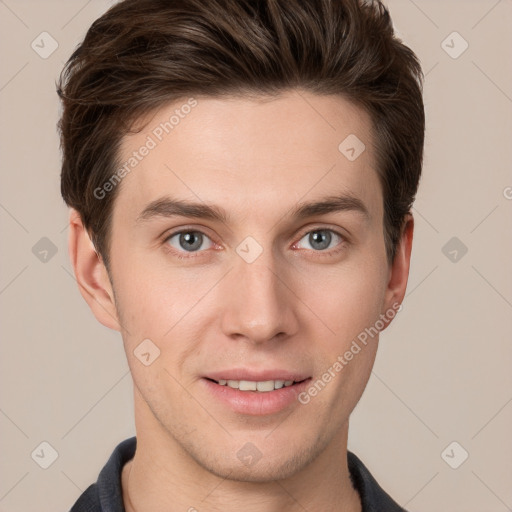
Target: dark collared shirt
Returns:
[106, 494]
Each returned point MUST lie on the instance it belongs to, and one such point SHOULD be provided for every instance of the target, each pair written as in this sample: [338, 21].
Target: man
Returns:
[240, 176]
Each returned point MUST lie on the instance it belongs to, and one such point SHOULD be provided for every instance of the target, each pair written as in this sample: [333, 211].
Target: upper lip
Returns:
[256, 375]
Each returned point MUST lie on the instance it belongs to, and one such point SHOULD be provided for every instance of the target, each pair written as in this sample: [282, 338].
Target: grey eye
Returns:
[189, 241]
[320, 239]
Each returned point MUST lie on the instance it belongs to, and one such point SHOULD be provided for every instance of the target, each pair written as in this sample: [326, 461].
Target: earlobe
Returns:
[91, 274]
[399, 270]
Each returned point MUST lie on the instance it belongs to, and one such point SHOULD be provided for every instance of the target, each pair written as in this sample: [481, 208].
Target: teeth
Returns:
[267, 385]
[249, 385]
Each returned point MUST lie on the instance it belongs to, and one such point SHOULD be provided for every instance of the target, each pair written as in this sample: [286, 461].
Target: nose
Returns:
[259, 304]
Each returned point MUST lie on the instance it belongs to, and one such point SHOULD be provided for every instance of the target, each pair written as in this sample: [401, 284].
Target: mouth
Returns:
[255, 393]
[262, 386]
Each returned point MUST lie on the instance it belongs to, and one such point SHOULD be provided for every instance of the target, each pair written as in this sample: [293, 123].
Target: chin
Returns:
[253, 466]
[260, 472]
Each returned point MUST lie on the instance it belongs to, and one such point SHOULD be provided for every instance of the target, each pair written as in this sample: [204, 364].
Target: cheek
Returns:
[146, 308]
[346, 299]
[163, 305]
[349, 304]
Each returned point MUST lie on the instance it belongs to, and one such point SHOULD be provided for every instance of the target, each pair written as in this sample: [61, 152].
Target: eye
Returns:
[189, 241]
[320, 239]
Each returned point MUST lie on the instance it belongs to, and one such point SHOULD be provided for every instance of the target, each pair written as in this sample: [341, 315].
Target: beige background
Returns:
[443, 370]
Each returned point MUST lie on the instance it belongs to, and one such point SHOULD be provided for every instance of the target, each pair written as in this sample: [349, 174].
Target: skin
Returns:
[296, 307]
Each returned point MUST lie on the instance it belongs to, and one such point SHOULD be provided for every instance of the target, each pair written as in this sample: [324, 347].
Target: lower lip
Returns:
[256, 403]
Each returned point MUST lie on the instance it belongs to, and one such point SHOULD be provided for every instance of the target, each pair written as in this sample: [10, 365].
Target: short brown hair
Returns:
[142, 54]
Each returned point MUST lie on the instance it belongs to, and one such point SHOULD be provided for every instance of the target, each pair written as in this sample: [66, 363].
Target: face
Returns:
[250, 251]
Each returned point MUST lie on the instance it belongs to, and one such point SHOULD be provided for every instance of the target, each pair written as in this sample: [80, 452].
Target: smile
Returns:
[255, 395]
[251, 385]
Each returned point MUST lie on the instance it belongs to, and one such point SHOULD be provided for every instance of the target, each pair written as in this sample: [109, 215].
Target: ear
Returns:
[399, 270]
[91, 273]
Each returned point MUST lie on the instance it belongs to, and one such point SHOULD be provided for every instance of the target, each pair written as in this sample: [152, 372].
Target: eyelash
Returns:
[195, 254]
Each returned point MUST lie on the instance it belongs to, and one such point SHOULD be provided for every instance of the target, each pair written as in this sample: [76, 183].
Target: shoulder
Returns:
[373, 497]
[88, 501]
[106, 494]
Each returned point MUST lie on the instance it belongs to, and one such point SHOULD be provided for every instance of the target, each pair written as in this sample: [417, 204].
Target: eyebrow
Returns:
[331, 204]
[166, 207]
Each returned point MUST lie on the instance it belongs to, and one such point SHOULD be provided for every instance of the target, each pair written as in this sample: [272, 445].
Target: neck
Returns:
[162, 476]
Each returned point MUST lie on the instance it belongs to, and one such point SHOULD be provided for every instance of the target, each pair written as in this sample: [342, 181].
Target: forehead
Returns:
[257, 156]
